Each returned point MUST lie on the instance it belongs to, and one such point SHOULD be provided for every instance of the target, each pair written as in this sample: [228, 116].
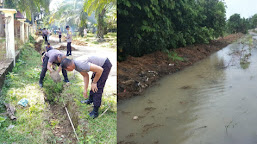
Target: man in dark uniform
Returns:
[100, 66]
[52, 57]
[45, 33]
[69, 40]
[60, 35]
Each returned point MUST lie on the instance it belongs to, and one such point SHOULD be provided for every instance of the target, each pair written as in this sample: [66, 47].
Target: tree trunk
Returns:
[81, 31]
[100, 26]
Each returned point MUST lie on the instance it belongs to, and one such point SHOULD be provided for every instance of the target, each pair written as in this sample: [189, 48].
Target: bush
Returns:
[148, 26]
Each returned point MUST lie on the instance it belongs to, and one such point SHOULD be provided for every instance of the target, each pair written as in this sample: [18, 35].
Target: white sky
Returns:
[246, 8]
[54, 3]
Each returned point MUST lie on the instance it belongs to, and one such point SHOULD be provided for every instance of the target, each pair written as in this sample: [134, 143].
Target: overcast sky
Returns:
[246, 8]
[54, 3]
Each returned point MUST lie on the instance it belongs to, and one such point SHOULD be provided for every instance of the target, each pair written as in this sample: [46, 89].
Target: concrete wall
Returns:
[7, 67]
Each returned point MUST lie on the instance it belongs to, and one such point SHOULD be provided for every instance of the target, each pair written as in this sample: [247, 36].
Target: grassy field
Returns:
[34, 124]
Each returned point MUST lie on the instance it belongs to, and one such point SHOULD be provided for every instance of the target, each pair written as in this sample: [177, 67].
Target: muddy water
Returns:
[211, 102]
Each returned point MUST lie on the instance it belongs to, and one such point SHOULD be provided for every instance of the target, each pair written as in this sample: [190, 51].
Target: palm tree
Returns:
[101, 7]
[28, 6]
[70, 13]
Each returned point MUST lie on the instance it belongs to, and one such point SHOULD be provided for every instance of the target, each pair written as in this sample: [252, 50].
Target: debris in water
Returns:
[135, 118]
[185, 87]
[149, 108]
[147, 127]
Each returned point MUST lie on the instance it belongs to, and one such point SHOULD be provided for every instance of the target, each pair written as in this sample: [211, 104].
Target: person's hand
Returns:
[85, 94]
[94, 87]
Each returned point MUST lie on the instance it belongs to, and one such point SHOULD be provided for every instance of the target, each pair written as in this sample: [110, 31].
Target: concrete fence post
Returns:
[22, 29]
[9, 31]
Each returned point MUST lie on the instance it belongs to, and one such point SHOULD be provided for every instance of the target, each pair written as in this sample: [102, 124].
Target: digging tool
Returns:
[104, 112]
[71, 122]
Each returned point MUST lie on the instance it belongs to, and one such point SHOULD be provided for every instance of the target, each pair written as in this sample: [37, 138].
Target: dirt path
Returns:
[138, 73]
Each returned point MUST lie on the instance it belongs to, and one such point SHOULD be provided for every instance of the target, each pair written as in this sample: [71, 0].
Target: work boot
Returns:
[94, 114]
[40, 84]
[66, 80]
[88, 101]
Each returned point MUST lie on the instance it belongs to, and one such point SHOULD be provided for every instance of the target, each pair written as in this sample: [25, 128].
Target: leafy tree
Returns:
[70, 13]
[100, 7]
[215, 16]
[28, 6]
[237, 24]
[254, 21]
[148, 26]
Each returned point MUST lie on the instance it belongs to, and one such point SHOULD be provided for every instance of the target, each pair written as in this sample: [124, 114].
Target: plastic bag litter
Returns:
[24, 102]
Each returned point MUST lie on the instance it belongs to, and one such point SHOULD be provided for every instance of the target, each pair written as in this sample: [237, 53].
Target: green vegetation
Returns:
[237, 24]
[173, 55]
[31, 125]
[100, 130]
[145, 27]
[34, 123]
[30, 7]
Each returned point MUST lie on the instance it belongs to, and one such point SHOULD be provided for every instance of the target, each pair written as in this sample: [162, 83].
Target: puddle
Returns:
[213, 101]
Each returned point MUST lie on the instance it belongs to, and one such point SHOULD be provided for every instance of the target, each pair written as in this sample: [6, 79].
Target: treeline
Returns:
[237, 24]
[148, 26]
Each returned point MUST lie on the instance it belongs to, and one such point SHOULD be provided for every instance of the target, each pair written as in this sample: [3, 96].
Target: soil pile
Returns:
[137, 73]
[65, 48]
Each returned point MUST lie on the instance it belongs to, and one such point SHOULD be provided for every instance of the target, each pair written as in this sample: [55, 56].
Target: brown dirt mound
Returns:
[38, 46]
[80, 43]
[137, 73]
[76, 42]
[65, 48]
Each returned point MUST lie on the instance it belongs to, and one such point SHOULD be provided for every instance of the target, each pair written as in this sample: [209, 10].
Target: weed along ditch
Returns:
[212, 101]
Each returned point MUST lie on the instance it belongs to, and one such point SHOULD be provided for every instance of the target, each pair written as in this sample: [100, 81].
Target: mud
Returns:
[138, 73]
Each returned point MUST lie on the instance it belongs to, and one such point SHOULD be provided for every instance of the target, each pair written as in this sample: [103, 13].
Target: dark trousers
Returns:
[97, 97]
[45, 37]
[60, 38]
[68, 48]
[44, 69]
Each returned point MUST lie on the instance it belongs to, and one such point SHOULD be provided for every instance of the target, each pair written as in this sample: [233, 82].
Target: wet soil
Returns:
[138, 73]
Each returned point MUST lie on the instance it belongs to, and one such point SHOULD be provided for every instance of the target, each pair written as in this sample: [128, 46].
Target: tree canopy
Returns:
[148, 26]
